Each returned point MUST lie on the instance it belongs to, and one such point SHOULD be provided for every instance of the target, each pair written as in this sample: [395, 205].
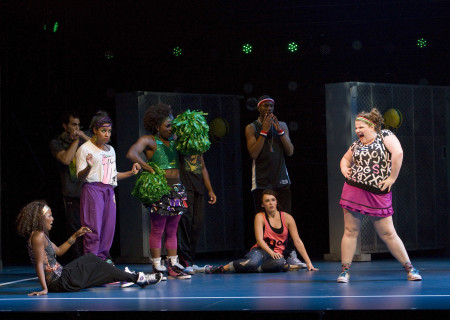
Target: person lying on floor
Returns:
[272, 228]
[34, 223]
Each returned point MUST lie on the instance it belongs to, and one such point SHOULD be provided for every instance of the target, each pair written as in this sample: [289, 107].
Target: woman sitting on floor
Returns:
[34, 222]
[271, 231]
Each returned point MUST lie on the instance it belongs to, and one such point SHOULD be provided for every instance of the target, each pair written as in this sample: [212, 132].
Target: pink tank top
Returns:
[275, 238]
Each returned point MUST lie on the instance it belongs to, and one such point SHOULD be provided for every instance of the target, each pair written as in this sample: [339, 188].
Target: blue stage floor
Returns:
[377, 286]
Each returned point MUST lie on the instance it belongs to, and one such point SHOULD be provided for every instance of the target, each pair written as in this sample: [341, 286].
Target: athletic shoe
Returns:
[295, 262]
[174, 271]
[126, 284]
[198, 269]
[161, 268]
[146, 279]
[110, 262]
[414, 275]
[344, 277]
[212, 269]
[189, 270]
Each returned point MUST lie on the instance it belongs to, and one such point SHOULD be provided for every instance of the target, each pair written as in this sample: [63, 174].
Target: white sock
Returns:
[173, 259]
[156, 262]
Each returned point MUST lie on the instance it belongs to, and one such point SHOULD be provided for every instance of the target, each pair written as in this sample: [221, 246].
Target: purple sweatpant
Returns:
[98, 212]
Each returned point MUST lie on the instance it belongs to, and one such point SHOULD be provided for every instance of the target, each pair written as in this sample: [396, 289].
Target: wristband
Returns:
[281, 132]
[263, 133]
[70, 241]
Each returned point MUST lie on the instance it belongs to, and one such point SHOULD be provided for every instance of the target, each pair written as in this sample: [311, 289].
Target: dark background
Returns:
[44, 73]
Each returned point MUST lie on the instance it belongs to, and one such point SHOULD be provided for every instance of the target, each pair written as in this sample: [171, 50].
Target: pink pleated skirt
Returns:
[365, 202]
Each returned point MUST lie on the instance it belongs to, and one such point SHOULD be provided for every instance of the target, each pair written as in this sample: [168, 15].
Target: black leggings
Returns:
[89, 271]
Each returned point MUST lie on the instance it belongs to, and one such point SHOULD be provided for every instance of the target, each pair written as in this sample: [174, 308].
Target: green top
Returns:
[166, 157]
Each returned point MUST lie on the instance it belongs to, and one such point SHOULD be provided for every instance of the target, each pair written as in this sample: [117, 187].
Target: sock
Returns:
[156, 262]
[173, 259]
[231, 267]
[408, 266]
[346, 267]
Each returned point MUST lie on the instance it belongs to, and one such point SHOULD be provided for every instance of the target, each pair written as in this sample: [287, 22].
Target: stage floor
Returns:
[379, 285]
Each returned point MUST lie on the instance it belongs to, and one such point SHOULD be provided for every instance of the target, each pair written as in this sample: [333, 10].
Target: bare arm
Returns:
[298, 243]
[395, 148]
[83, 174]
[254, 145]
[134, 170]
[134, 153]
[346, 163]
[259, 235]
[62, 249]
[288, 147]
[66, 156]
[38, 247]
[207, 182]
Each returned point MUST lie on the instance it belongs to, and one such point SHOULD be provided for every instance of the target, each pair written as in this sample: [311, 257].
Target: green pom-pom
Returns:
[150, 187]
[192, 132]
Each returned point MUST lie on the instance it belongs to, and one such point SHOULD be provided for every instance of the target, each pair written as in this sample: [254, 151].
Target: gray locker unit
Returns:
[223, 222]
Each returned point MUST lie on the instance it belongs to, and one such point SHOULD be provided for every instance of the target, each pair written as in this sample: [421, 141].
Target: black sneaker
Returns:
[145, 279]
[175, 271]
[212, 269]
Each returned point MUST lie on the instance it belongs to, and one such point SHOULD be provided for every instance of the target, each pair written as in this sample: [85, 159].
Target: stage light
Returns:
[292, 47]
[421, 43]
[54, 29]
[109, 54]
[247, 48]
[177, 51]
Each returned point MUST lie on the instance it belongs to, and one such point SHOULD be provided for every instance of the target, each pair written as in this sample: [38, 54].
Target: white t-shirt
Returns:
[104, 169]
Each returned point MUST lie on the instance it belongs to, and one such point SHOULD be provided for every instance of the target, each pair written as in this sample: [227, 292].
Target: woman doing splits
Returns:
[272, 228]
[34, 222]
[371, 166]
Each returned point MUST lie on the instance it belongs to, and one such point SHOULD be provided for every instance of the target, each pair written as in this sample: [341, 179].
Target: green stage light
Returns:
[109, 54]
[55, 26]
[421, 43]
[177, 51]
[247, 48]
[292, 47]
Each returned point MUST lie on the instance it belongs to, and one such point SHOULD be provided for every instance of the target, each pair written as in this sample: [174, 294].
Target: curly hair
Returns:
[155, 116]
[100, 118]
[375, 116]
[31, 218]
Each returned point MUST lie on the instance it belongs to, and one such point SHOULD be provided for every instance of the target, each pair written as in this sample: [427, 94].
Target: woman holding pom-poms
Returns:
[159, 187]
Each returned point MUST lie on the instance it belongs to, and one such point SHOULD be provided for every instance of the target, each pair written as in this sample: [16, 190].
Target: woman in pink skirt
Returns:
[371, 166]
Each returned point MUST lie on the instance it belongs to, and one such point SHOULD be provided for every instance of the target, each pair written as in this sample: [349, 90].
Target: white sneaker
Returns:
[189, 270]
[344, 277]
[414, 275]
[295, 262]
[198, 269]
[126, 284]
